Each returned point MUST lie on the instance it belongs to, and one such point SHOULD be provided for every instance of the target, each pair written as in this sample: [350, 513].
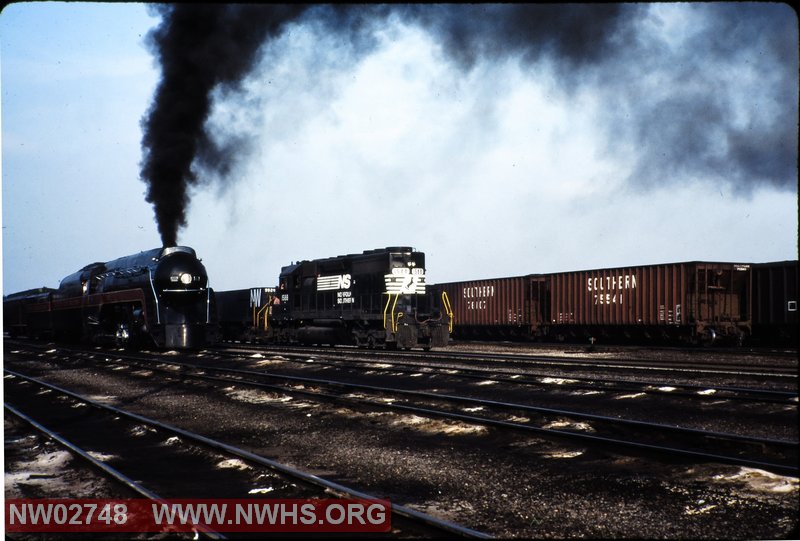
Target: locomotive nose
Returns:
[184, 278]
[180, 271]
[184, 298]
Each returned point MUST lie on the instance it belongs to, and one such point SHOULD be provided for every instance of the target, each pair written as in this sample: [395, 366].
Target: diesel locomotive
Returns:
[376, 299]
[158, 297]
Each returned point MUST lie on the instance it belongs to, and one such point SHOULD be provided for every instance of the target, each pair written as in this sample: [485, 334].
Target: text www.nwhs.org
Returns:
[231, 515]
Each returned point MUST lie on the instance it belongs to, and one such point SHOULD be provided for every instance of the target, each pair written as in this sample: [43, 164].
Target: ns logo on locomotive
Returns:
[158, 297]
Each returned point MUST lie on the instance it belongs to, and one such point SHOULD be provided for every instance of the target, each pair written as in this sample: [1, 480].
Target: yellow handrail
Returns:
[386, 309]
[266, 320]
[448, 309]
[394, 325]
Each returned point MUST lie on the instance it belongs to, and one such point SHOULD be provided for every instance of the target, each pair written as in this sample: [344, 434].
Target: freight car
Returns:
[158, 297]
[17, 321]
[775, 303]
[694, 302]
[499, 308]
[243, 313]
[376, 299]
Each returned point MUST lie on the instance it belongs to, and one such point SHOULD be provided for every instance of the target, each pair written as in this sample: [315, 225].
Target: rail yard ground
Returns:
[503, 481]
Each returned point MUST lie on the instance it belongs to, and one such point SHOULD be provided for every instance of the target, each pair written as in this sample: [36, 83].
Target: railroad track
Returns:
[745, 351]
[538, 379]
[783, 371]
[584, 428]
[782, 379]
[560, 388]
[135, 445]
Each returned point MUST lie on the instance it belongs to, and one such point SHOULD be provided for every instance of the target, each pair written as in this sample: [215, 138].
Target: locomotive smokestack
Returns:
[200, 48]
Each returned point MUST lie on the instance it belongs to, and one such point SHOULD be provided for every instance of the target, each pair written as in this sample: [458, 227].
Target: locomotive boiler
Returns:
[376, 299]
[158, 297]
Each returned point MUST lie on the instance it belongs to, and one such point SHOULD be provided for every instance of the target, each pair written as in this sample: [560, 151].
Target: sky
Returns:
[498, 142]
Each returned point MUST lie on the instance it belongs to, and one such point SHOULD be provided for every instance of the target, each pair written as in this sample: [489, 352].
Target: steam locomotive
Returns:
[376, 299]
[159, 297]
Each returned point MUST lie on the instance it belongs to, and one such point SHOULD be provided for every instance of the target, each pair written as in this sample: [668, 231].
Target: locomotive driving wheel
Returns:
[127, 327]
[126, 336]
[123, 334]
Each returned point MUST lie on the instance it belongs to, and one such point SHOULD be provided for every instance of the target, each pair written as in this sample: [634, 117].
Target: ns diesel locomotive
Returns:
[376, 299]
[159, 297]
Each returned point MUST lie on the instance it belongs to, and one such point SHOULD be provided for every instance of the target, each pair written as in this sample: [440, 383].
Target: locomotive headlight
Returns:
[186, 278]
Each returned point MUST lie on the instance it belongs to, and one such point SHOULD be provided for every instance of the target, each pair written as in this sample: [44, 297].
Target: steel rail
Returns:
[664, 366]
[328, 486]
[682, 366]
[789, 469]
[473, 401]
[148, 362]
[522, 378]
[113, 473]
[783, 468]
[751, 351]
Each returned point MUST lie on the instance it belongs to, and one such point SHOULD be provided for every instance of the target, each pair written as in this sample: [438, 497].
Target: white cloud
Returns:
[495, 174]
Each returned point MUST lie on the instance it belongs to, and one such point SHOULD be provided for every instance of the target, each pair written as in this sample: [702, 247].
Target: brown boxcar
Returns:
[694, 301]
[775, 303]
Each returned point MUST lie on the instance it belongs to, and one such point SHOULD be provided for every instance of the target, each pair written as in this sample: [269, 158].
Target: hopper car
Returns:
[692, 302]
[775, 303]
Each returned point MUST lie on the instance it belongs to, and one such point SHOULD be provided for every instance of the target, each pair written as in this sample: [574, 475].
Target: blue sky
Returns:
[496, 170]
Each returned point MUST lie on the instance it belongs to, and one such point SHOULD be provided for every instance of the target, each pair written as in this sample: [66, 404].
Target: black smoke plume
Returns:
[200, 48]
[682, 129]
[205, 47]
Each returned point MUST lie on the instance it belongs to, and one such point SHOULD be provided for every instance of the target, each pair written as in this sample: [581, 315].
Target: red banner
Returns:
[187, 515]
